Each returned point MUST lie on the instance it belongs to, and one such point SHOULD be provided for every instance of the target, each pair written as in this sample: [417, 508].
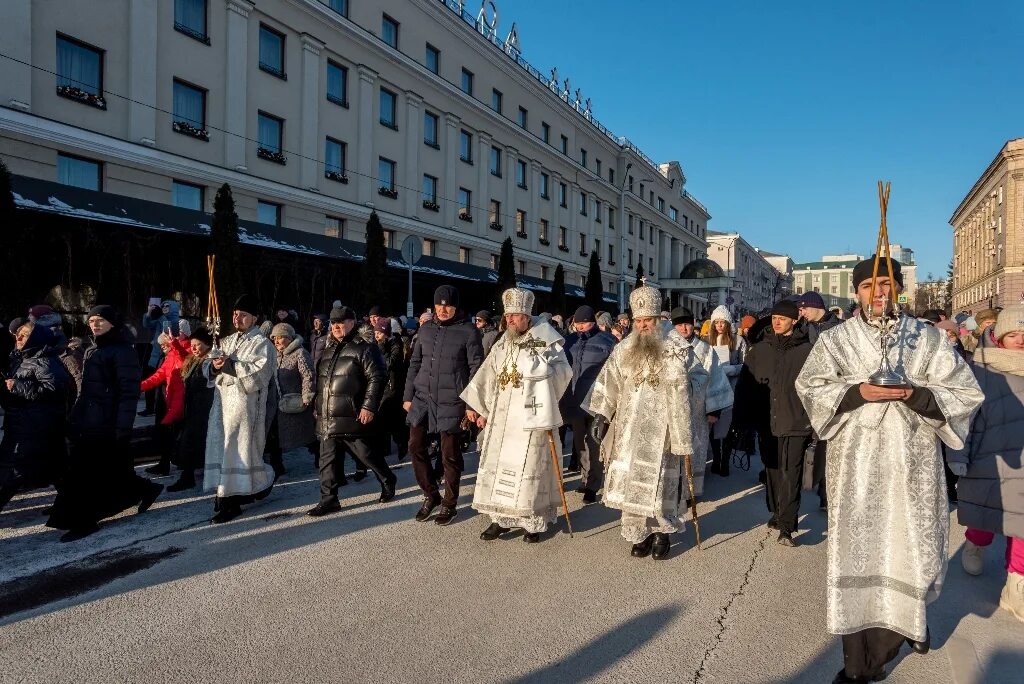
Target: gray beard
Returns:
[639, 349]
[512, 335]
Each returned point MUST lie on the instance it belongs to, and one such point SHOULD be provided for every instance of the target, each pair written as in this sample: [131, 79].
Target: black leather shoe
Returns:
[643, 549]
[445, 515]
[359, 476]
[429, 504]
[922, 647]
[786, 539]
[493, 532]
[531, 538]
[324, 508]
[589, 496]
[150, 496]
[226, 513]
[185, 482]
[77, 533]
[773, 524]
[573, 467]
[843, 678]
[387, 490]
[159, 469]
[660, 547]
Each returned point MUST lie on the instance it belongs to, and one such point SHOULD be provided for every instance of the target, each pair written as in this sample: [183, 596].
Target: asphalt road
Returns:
[369, 595]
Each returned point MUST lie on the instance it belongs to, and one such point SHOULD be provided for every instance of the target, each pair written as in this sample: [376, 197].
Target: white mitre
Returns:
[645, 302]
[516, 300]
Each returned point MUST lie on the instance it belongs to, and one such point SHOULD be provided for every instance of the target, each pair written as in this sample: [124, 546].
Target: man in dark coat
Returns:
[100, 480]
[446, 355]
[771, 368]
[392, 417]
[318, 337]
[586, 350]
[484, 322]
[350, 380]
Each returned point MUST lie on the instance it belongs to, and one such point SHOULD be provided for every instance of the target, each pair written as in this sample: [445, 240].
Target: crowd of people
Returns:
[650, 399]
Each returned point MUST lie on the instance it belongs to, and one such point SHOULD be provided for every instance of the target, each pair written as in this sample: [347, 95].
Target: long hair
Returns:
[728, 337]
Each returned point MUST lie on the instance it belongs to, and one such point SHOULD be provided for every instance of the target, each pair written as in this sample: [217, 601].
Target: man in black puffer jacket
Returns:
[771, 368]
[447, 354]
[100, 480]
[350, 381]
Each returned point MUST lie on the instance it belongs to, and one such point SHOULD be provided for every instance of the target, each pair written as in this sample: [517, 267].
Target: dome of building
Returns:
[701, 268]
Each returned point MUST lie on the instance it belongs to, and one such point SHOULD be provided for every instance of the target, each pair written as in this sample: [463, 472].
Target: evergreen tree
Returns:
[639, 276]
[12, 244]
[506, 271]
[6, 197]
[593, 294]
[225, 245]
[558, 291]
[373, 274]
[949, 289]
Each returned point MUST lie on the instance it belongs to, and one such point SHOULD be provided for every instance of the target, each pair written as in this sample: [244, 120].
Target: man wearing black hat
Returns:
[242, 370]
[488, 333]
[816, 319]
[586, 350]
[772, 365]
[446, 355]
[888, 528]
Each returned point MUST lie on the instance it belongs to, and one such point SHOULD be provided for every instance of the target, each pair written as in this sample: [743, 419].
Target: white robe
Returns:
[237, 432]
[650, 431]
[888, 519]
[516, 483]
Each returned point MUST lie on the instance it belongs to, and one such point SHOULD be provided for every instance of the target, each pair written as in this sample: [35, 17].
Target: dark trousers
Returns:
[392, 427]
[866, 652]
[451, 460]
[332, 461]
[587, 452]
[785, 471]
[100, 481]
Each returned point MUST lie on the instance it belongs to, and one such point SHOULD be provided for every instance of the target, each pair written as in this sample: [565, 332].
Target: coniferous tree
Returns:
[373, 274]
[12, 262]
[225, 245]
[558, 291]
[593, 294]
[949, 289]
[639, 276]
[506, 271]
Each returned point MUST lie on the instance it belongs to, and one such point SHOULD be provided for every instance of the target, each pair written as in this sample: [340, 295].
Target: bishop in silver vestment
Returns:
[888, 516]
[516, 393]
[237, 431]
[643, 397]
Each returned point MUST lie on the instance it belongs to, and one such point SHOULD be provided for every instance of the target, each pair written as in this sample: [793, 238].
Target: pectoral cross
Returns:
[533, 406]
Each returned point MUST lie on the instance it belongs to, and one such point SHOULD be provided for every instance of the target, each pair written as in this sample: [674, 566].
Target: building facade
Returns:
[755, 281]
[783, 264]
[832, 277]
[988, 235]
[317, 112]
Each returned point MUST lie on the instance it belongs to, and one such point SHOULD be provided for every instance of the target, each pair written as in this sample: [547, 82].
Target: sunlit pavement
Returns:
[369, 595]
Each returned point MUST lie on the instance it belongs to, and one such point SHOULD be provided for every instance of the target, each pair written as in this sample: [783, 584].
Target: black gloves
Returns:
[600, 428]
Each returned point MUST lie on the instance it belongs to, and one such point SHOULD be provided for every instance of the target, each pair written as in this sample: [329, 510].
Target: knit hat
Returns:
[681, 314]
[283, 330]
[374, 311]
[106, 312]
[862, 271]
[747, 322]
[811, 300]
[203, 335]
[246, 304]
[786, 308]
[15, 324]
[446, 295]
[38, 311]
[584, 314]
[948, 325]
[340, 314]
[721, 314]
[604, 319]
[383, 326]
[1011, 318]
[987, 315]
[484, 315]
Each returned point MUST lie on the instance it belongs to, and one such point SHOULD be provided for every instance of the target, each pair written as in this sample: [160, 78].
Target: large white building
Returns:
[756, 283]
[317, 111]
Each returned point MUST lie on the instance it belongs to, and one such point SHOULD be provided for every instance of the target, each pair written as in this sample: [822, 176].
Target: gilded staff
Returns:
[557, 462]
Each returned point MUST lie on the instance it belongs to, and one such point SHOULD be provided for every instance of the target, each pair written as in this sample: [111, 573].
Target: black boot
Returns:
[228, 511]
[723, 468]
[185, 482]
[387, 489]
[149, 497]
[493, 532]
[643, 549]
[660, 547]
[429, 504]
[531, 537]
[922, 647]
[716, 456]
[163, 468]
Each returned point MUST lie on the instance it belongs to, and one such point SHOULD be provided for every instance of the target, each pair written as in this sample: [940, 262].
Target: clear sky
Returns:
[785, 114]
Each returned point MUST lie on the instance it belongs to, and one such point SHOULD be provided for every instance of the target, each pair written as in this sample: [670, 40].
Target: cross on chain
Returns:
[533, 406]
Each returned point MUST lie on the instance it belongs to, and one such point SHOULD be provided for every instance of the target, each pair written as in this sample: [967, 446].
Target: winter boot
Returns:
[972, 558]
[1012, 598]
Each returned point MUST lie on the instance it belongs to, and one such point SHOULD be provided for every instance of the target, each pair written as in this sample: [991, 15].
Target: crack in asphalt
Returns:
[699, 675]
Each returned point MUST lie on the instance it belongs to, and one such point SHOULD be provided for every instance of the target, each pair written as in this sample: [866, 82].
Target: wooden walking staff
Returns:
[557, 462]
[688, 464]
[212, 307]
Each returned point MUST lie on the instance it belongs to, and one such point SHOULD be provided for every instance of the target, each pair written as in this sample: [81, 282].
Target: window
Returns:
[583, 203]
[388, 108]
[650, 264]
[467, 82]
[565, 145]
[269, 133]
[334, 159]
[339, 6]
[268, 212]
[611, 255]
[337, 84]
[189, 110]
[611, 176]
[630, 224]
[496, 98]
[544, 181]
[523, 117]
[389, 31]
[494, 213]
[79, 172]
[544, 272]
[272, 51]
[673, 213]
[521, 173]
[464, 255]
[520, 223]
[522, 267]
[597, 248]
[597, 164]
[835, 289]
[187, 195]
[432, 59]
[641, 191]
[431, 124]
[611, 218]
[465, 205]
[334, 227]
[429, 247]
[542, 231]
[386, 173]
[190, 19]
[495, 162]
[389, 239]
[80, 71]
[651, 199]
[598, 210]
[631, 184]
[466, 146]
[494, 261]
[583, 158]
[563, 237]
[630, 262]
[661, 205]
[583, 244]
[545, 132]
[429, 190]
[641, 229]
[562, 195]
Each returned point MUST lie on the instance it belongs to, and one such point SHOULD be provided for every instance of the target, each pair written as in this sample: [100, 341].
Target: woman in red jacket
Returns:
[175, 350]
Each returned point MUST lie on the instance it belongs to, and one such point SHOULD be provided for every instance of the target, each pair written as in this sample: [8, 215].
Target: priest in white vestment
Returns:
[515, 394]
[888, 519]
[642, 408]
[241, 370]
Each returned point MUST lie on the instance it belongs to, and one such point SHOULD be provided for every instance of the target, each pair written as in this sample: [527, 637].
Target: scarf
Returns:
[1002, 360]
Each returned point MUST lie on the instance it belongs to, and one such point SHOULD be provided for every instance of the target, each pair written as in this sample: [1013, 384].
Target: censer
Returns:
[888, 319]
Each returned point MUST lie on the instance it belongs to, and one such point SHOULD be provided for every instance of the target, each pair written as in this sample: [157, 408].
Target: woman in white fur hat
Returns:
[730, 350]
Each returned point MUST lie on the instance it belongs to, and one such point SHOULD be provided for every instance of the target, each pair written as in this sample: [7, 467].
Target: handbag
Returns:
[291, 403]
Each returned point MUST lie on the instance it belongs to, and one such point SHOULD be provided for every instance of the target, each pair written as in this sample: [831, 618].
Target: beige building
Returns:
[783, 264]
[755, 281]
[318, 111]
[988, 236]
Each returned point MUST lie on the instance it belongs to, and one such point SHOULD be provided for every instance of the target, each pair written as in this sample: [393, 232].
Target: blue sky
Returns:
[784, 115]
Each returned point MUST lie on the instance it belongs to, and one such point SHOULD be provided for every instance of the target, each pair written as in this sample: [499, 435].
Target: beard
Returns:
[512, 335]
[640, 348]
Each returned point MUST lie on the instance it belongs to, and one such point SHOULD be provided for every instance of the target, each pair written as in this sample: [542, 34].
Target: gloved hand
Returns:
[599, 429]
[184, 329]
[958, 469]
